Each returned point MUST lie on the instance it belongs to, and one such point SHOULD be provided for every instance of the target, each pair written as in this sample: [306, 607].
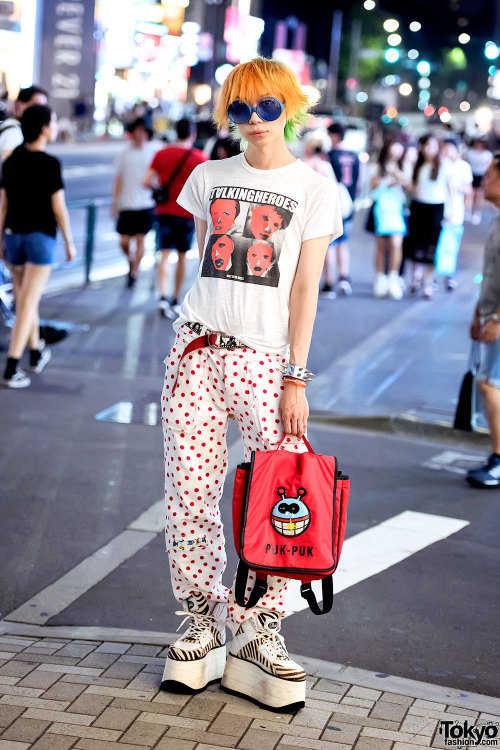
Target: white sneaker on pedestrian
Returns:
[344, 286]
[259, 668]
[198, 657]
[18, 380]
[380, 285]
[45, 357]
[394, 286]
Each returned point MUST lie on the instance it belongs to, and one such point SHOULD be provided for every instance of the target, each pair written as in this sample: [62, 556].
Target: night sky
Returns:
[438, 17]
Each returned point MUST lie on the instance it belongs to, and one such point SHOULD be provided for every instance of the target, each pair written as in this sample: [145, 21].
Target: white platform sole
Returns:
[180, 676]
[250, 681]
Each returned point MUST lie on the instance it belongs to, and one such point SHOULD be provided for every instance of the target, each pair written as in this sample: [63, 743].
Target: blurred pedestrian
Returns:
[485, 327]
[224, 147]
[430, 191]
[345, 164]
[389, 222]
[170, 169]
[460, 190]
[133, 204]
[10, 130]
[479, 157]
[33, 206]
[315, 157]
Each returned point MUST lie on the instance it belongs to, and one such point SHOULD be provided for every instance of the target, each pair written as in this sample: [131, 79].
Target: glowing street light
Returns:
[464, 106]
[368, 5]
[391, 25]
[424, 83]
[413, 54]
[415, 26]
[429, 110]
[392, 55]
[491, 50]
[464, 38]
[394, 40]
[445, 117]
[405, 89]
[424, 68]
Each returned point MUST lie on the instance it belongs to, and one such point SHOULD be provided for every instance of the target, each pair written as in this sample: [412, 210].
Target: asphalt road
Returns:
[73, 486]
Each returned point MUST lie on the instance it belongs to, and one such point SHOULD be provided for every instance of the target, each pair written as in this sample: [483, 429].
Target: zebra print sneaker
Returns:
[198, 657]
[259, 668]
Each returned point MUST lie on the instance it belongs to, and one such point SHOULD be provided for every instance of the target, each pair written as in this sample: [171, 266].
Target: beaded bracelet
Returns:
[295, 381]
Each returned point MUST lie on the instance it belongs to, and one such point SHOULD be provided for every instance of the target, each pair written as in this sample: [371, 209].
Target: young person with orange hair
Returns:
[264, 221]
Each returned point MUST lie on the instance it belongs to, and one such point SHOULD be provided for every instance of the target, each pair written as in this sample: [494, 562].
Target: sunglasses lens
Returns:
[269, 109]
[239, 112]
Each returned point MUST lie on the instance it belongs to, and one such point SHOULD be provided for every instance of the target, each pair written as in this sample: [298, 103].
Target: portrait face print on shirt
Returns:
[223, 212]
[264, 221]
[249, 227]
[259, 259]
[222, 250]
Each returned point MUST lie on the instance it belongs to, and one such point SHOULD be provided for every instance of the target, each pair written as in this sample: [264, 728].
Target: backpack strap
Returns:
[308, 594]
[259, 589]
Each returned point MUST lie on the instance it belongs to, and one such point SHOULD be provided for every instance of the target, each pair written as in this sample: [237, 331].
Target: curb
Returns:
[405, 424]
[319, 668]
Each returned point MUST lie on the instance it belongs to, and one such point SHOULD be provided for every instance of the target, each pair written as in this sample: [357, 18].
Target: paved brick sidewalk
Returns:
[61, 693]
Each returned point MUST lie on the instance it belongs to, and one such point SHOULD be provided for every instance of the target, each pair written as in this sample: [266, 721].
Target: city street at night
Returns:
[316, 190]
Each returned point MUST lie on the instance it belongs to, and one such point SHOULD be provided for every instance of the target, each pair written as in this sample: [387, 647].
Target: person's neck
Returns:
[38, 145]
[184, 144]
[272, 156]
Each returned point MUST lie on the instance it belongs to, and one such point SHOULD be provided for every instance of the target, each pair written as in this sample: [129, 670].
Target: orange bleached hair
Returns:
[259, 77]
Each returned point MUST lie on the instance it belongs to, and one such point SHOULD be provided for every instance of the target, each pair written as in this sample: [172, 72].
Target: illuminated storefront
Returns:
[18, 20]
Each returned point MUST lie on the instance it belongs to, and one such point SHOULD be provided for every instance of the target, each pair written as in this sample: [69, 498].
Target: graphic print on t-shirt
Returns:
[248, 231]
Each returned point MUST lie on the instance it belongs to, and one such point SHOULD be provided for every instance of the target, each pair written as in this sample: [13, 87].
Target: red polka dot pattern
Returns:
[214, 385]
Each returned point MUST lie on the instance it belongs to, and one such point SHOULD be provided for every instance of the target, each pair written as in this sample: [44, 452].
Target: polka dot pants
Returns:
[214, 385]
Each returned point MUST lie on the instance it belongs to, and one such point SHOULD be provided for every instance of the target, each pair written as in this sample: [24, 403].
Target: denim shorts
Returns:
[489, 369]
[35, 247]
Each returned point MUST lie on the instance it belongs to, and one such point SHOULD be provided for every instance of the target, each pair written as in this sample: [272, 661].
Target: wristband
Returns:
[296, 371]
[295, 381]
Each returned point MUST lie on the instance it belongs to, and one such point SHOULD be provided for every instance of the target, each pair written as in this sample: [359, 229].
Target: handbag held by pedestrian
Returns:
[289, 519]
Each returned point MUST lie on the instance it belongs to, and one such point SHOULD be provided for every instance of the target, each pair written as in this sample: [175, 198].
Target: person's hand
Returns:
[70, 251]
[490, 332]
[114, 211]
[294, 410]
[475, 328]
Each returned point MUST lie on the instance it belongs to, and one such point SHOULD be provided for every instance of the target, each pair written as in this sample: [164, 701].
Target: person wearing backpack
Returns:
[264, 220]
[169, 170]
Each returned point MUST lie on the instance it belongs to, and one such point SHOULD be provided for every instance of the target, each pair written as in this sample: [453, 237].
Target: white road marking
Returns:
[72, 585]
[372, 551]
[454, 462]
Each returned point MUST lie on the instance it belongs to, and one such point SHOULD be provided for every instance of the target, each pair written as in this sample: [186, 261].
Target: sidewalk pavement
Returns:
[61, 692]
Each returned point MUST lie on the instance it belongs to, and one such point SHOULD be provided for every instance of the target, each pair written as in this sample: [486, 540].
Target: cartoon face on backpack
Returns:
[290, 516]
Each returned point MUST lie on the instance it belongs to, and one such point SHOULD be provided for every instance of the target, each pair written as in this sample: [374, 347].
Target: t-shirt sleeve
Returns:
[10, 138]
[324, 216]
[191, 195]
[119, 161]
[56, 181]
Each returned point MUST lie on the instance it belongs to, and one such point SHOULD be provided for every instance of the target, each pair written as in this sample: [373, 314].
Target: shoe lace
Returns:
[276, 641]
[198, 624]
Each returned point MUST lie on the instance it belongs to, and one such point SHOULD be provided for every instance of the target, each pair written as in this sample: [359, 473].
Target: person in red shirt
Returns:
[172, 166]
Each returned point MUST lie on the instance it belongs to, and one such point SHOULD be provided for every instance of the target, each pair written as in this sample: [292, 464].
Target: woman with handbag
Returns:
[263, 222]
[388, 218]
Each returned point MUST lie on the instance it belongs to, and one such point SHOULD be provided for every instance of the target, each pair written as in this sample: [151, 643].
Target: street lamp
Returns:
[392, 55]
[369, 5]
[391, 25]
[415, 26]
[464, 38]
[394, 40]
[491, 50]
[424, 68]
[405, 89]
[413, 54]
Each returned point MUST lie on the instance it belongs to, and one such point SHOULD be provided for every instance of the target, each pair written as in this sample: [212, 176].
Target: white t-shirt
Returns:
[11, 136]
[432, 191]
[479, 161]
[460, 176]
[257, 220]
[131, 165]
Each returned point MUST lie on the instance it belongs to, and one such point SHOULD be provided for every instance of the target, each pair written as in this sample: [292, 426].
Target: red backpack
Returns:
[289, 517]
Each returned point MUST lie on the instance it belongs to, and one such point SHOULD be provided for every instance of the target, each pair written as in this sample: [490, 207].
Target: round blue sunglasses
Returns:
[268, 109]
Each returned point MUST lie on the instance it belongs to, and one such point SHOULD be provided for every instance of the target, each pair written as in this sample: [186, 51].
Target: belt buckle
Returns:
[223, 341]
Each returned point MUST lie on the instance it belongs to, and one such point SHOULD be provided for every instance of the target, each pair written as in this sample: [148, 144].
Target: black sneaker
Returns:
[18, 380]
